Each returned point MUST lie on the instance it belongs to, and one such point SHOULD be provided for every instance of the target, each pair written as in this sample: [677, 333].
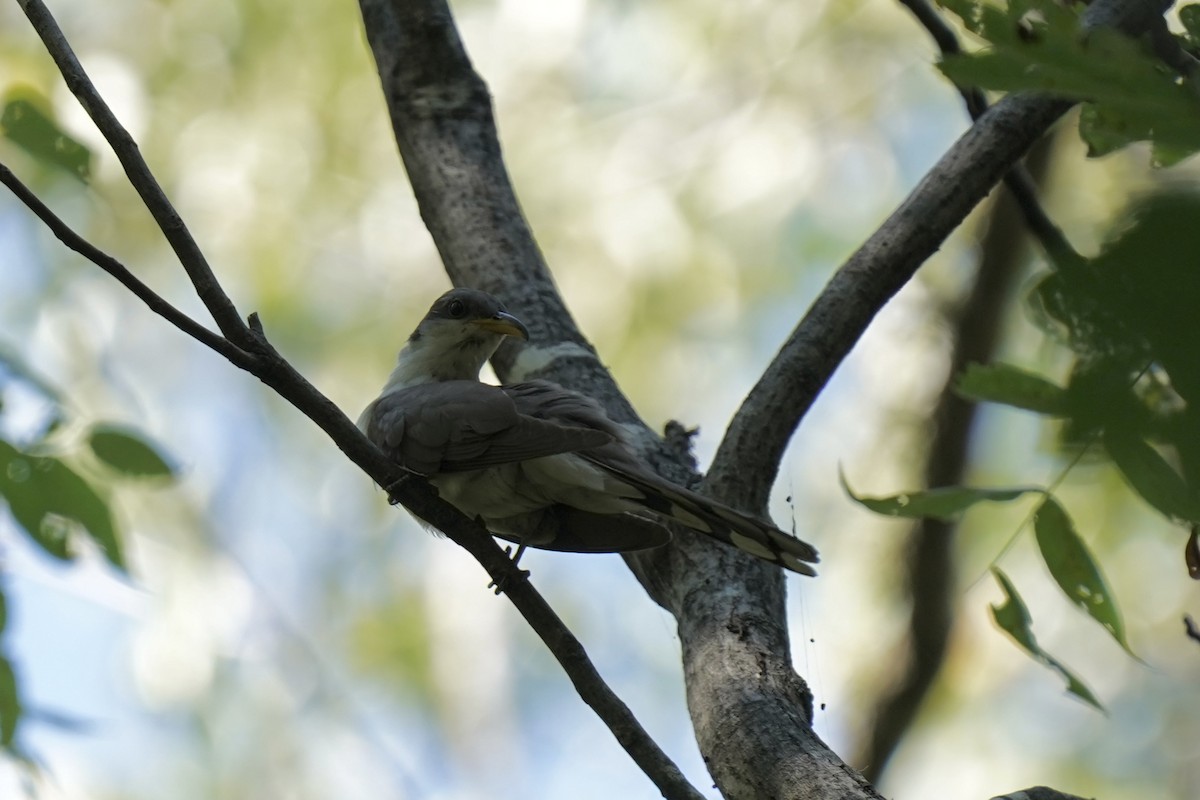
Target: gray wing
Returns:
[549, 401]
[545, 400]
[462, 425]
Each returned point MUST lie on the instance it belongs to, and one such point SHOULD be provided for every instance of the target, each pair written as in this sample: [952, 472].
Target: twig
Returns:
[224, 313]
[747, 461]
[155, 302]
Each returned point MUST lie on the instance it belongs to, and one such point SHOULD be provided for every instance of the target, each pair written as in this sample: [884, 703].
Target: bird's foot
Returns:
[503, 584]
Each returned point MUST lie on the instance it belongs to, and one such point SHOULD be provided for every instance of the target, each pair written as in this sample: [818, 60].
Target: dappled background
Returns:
[693, 172]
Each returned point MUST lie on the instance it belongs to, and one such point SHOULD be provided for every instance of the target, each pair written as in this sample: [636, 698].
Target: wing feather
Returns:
[454, 426]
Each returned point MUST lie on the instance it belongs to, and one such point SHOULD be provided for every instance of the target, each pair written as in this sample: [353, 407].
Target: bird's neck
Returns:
[427, 359]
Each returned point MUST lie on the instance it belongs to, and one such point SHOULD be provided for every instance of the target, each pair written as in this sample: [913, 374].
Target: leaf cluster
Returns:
[51, 488]
[1129, 93]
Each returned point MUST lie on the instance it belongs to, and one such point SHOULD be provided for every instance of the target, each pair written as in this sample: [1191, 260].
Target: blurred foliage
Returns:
[54, 504]
[1129, 94]
[28, 122]
[689, 200]
[1128, 314]
[1128, 317]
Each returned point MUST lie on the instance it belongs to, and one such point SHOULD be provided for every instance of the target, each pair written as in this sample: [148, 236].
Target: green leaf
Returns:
[1004, 383]
[1013, 618]
[48, 499]
[1036, 45]
[1149, 474]
[125, 451]
[1074, 569]
[942, 503]
[28, 123]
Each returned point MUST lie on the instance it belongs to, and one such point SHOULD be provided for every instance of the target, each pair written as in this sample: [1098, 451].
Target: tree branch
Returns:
[153, 301]
[269, 366]
[747, 461]
[416, 495]
[1018, 181]
[126, 149]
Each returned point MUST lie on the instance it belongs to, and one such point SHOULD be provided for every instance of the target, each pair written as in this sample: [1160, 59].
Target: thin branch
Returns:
[747, 461]
[224, 313]
[275, 371]
[1017, 179]
[115, 268]
[417, 496]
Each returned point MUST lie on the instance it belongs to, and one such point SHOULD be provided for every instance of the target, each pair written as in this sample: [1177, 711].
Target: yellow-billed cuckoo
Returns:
[540, 465]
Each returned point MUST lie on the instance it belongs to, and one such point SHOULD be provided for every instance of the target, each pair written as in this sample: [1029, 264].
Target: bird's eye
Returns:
[456, 308]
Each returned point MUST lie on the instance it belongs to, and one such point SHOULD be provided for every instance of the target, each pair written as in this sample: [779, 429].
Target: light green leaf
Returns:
[1013, 618]
[942, 503]
[1149, 474]
[1004, 383]
[125, 451]
[47, 499]
[27, 122]
[1074, 569]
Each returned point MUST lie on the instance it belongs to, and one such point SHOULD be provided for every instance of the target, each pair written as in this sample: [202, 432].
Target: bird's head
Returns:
[461, 331]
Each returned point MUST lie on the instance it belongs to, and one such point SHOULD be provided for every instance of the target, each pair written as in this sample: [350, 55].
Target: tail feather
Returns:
[721, 522]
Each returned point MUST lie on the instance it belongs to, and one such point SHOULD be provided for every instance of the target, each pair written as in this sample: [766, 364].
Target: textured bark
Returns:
[751, 712]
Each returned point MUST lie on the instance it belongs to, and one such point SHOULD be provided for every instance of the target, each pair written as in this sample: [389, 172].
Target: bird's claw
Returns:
[503, 584]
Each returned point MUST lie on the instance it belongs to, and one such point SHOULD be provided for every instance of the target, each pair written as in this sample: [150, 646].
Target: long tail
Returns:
[719, 521]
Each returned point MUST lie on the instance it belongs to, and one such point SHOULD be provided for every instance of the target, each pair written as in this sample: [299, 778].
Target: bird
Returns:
[538, 464]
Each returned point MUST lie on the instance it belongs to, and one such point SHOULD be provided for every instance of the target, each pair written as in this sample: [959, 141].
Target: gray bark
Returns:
[751, 712]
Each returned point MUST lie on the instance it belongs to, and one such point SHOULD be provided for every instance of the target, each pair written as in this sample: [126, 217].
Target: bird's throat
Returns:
[430, 359]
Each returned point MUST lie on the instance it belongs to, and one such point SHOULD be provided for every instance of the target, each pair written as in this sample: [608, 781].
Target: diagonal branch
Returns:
[275, 371]
[153, 301]
[1018, 180]
[747, 461]
[209, 291]
[416, 495]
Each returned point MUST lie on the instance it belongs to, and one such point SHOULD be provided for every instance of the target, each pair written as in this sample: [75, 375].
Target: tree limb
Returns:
[750, 709]
[747, 461]
[415, 494]
[1017, 179]
[261, 359]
